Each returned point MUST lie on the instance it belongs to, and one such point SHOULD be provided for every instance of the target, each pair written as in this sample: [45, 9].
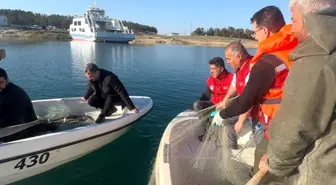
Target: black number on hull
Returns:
[44, 157]
[32, 160]
[21, 164]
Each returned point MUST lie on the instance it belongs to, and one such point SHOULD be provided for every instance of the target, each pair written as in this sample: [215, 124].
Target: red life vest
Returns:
[241, 75]
[219, 86]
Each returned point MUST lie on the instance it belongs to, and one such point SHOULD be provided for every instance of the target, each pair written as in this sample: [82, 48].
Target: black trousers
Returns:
[107, 105]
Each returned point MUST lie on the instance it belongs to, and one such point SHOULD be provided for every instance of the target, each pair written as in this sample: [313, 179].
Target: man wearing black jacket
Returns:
[16, 108]
[104, 91]
[15, 105]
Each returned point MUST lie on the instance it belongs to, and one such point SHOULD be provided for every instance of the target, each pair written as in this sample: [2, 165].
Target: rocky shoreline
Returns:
[18, 34]
[211, 41]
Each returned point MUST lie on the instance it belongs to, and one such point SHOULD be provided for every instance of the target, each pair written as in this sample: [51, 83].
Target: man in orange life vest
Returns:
[217, 85]
[269, 69]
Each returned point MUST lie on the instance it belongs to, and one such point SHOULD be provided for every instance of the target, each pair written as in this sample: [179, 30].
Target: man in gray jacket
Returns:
[302, 143]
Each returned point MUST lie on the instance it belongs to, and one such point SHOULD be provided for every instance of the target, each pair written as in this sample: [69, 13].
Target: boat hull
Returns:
[56, 157]
[104, 37]
[28, 157]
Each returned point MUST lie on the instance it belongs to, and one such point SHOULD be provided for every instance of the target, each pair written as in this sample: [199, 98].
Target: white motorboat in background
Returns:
[95, 26]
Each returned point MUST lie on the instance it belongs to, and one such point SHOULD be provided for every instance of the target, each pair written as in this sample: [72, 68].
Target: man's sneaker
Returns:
[234, 146]
[201, 138]
[111, 111]
[100, 119]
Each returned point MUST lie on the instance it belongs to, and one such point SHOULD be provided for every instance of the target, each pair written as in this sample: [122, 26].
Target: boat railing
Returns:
[100, 18]
[78, 16]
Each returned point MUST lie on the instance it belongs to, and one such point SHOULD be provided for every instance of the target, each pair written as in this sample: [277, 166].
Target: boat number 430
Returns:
[31, 161]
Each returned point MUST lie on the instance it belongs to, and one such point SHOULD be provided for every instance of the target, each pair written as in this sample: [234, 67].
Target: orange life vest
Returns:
[279, 44]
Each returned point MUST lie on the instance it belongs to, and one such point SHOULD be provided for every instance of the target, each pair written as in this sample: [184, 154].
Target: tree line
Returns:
[139, 28]
[28, 18]
[224, 32]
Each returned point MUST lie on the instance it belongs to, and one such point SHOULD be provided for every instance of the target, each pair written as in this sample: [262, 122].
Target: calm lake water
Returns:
[173, 76]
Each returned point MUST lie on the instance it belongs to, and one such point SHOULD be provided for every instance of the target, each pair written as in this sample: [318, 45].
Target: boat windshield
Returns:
[97, 13]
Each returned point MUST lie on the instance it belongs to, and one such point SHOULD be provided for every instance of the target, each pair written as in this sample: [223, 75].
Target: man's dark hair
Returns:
[217, 61]
[91, 67]
[3, 74]
[269, 17]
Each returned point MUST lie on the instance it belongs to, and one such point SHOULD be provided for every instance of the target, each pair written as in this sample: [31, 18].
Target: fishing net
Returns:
[216, 158]
[53, 117]
[57, 111]
[211, 159]
[215, 155]
[60, 117]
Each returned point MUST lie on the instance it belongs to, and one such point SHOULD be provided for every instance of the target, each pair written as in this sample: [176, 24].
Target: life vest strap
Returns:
[271, 101]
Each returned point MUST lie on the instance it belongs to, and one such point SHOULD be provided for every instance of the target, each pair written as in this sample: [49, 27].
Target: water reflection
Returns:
[82, 53]
[116, 57]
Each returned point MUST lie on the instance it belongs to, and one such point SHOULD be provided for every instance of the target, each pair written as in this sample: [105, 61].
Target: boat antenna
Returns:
[94, 3]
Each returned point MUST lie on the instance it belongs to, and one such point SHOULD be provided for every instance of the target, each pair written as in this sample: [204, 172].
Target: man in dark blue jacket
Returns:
[104, 91]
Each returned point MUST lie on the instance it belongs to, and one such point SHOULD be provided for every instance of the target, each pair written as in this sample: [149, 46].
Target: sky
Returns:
[179, 16]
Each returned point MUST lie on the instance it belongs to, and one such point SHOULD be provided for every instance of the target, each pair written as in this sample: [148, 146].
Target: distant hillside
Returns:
[20, 17]
[230, 32]
[27, 18]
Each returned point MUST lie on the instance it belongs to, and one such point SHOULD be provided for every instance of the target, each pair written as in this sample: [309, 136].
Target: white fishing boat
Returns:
[31, 156]
[179, 149]
[95, 26]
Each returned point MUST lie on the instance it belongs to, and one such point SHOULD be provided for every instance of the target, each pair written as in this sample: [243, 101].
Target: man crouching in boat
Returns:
[104, 91]
[217, 85]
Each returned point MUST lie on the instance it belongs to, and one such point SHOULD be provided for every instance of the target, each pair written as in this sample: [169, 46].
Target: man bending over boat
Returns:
[270, 67]
[104, 91]
[238, 57]
[217, 85]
